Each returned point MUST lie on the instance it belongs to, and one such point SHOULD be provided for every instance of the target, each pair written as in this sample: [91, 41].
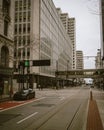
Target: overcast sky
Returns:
[87, 26]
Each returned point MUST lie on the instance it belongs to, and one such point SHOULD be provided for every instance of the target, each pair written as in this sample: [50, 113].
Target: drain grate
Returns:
[43, 105]
[6, 117]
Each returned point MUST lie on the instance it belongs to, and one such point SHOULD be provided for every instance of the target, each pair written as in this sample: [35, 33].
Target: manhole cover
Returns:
[43, 105]
[6, 117]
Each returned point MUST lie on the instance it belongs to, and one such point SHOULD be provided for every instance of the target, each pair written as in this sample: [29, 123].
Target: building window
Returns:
[24, 28]
[15, 41]
[29, 16]
[15, 53]
[24, 16]
[19, 53]
[19, 42]
[15, 30]
[5, 56]
[16, 5]
[20, 17]
[24, 5]
[23, 52]
[20, 28]
[28, 28]
[20, 5]
[16, 17]
[28, 40]
[24, 40]
[29, 4]
[28, 52]
[5, 27]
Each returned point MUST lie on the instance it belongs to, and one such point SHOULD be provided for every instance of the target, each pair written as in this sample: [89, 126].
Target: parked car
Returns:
[24, 94]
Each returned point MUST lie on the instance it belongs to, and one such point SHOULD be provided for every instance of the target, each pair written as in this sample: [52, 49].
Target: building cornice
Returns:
[6, 39]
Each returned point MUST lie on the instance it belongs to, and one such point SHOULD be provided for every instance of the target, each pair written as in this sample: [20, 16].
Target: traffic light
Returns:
[26, 63]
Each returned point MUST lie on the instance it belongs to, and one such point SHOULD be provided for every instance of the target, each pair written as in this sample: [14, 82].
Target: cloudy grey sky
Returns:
[87, 25]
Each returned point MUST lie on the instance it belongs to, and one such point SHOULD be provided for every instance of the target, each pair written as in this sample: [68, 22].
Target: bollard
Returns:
[91, 98]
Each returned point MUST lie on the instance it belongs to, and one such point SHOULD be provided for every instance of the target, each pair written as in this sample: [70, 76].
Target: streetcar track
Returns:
[53, 114]
[62, 107]
[57, 111]
[74, 116]
[53, 111]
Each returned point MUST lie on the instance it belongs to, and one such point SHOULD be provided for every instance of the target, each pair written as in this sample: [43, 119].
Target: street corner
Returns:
[10, 104]
[14, 103]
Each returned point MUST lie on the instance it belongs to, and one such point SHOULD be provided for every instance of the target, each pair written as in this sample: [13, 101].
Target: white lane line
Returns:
[27, 117]
[22, 104]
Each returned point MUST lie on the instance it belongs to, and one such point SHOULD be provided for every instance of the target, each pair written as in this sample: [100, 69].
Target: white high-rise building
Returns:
[72, 35]
[39, 34]
[69, 24]
[79, 60]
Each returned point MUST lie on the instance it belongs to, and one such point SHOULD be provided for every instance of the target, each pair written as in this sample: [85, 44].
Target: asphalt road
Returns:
[64, 109]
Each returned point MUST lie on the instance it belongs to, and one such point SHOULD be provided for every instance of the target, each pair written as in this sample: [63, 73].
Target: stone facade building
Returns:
[6, 47]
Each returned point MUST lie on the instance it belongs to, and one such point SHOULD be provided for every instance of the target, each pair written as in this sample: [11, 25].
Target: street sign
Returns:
[41, 62]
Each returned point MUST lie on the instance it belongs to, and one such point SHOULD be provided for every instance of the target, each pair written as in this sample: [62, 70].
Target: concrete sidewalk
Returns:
[98, 95]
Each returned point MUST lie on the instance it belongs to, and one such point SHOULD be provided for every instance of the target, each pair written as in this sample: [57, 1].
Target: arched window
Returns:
[5, 56]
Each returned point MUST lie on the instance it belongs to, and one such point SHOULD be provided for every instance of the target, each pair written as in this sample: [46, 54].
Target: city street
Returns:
[64, 109]
[51, 65]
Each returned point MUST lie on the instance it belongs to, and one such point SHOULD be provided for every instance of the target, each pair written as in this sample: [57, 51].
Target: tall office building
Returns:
[6, 46]
[79, 60]
[39, 35]
[72, 35]
[69, 24]
[64, 17]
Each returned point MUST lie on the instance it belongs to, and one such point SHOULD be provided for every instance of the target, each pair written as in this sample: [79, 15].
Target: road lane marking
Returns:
[27, 117]
[21, 104]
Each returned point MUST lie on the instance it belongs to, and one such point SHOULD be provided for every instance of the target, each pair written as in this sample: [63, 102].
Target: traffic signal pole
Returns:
[23, 68]
[26, 64]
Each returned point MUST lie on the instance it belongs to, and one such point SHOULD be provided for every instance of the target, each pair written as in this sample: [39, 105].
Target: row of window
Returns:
[22, 40]
[22, 16]
[22, 53]
[22, 28]
[22, 5]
